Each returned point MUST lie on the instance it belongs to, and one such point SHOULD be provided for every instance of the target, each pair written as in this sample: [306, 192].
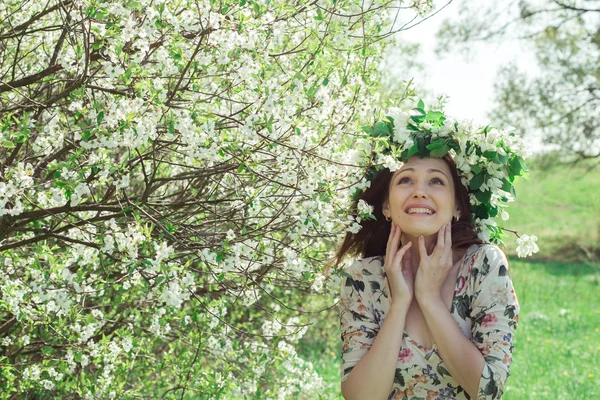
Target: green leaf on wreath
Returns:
[381, 129]
[440, 152]
[477, 181]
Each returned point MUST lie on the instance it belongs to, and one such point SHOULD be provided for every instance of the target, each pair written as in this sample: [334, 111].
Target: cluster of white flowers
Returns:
[526, 245]
[12, 185]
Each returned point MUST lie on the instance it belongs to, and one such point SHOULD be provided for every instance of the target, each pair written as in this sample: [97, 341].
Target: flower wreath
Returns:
[487, 160]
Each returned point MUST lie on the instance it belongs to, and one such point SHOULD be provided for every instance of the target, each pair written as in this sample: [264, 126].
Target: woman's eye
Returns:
[437, 181]
[404, 180]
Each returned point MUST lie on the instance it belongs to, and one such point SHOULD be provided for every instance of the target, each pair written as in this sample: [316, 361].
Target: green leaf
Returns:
[484, 197]
[86, 135]
[490, 155]
[420, 104]
[100, 117]
[477, 181]
[501, 159]
[421, 143]
[436, 144]
[319, 16]
[515, 167]
[325, 81]
[434, 116]
[412, 151]
[476, 168]
[381, 129]
[440, 152]
[8, 144]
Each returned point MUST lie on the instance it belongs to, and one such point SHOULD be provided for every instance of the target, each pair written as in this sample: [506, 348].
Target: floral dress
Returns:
[484, 306]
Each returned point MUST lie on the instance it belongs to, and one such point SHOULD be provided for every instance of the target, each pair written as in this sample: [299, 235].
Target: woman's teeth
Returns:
[419, 211]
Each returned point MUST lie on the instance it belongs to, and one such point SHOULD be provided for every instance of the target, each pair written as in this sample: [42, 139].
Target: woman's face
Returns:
[421, 196]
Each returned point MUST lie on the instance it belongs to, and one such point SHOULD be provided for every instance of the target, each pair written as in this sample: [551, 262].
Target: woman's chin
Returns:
[414, 231]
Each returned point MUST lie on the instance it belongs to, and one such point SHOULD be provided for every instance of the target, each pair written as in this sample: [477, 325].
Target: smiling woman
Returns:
[421, 312]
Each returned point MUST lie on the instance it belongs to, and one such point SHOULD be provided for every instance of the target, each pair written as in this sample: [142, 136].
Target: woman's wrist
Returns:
[429, 300]
[399, 307]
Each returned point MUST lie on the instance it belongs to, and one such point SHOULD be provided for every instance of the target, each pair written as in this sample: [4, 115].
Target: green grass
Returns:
[557, 345]
[561, 206]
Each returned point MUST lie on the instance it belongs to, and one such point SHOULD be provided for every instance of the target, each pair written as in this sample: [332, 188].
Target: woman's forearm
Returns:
[373, 376]
[463, 359]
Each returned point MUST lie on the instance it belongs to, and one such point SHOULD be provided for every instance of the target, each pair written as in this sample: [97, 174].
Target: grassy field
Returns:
[557, 346]
[561, 206]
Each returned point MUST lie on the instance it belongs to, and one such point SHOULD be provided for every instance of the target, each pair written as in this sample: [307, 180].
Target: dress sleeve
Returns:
[357, 322]
[494, 315]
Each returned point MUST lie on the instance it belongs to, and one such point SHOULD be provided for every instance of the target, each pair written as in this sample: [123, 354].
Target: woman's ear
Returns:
[457, 215]
[385, 209]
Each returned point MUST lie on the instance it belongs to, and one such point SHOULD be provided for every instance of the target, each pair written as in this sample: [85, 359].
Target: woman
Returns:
[429, 309]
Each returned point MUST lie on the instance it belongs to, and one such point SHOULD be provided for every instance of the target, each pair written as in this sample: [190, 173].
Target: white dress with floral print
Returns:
[484, 306]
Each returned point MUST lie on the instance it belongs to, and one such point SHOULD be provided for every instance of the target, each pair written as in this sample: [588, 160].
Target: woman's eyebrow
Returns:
[429, 170]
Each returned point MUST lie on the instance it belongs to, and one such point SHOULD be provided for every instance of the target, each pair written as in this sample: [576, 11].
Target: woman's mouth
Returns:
[420, 211]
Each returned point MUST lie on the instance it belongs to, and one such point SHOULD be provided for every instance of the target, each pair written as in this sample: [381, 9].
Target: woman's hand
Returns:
[433, 269]
[398, 269]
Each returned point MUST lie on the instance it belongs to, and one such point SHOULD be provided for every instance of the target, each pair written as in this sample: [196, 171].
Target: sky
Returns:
[468, 83]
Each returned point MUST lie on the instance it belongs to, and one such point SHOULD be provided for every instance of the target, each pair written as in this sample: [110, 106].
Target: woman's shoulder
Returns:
[486, 258]
[486, 250]
[365, 267]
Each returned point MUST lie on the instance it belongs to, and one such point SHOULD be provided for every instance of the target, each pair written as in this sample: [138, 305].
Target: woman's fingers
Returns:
[389, 253]
[439, 247]
[400, 254]
[422, 250]
[448, 243]
[393, 244]
[431, 248]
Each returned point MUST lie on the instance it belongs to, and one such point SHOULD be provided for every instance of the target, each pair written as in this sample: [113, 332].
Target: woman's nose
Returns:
[419, 191]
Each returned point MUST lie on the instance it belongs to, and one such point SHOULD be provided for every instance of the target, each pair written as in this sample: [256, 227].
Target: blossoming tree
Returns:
[172, 177]
[562, 101]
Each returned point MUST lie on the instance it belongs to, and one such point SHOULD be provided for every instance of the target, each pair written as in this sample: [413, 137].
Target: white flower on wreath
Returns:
[446, 128]
[426, 125]
[389, 162]
[526, 245]
[401, 119]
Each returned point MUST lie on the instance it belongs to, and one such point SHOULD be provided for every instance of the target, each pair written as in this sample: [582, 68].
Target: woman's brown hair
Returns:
[371, 239]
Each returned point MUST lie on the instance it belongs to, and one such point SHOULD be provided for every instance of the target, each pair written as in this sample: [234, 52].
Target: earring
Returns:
[457, 218]
[388, 219]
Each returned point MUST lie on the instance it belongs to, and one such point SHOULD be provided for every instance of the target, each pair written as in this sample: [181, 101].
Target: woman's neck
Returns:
[430, 242]
[415, 254]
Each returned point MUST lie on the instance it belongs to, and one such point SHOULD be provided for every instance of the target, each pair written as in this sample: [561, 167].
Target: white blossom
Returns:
[526, 245]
